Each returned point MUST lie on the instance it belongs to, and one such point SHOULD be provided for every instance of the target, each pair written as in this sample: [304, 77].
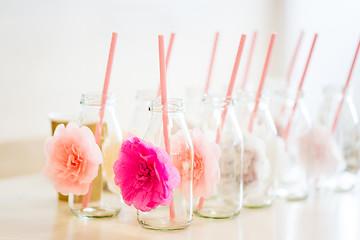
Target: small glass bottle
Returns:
[345, 135]
[141, 116]
[259, 158]
[105, 199]
[178, 215]
[226, 199]
[291, 177]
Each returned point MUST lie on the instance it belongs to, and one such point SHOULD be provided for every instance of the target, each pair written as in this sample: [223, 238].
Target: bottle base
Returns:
[163, 225]
[220, 213]
[262, 204]
[292, 196]
[94, 212]
[343, 182]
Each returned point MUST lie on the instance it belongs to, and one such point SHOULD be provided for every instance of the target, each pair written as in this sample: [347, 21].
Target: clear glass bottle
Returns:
[141, 116]
[346, 136]
[105, 199]
[226, 200]
[178, 215]
[291, 177]
[259, 158]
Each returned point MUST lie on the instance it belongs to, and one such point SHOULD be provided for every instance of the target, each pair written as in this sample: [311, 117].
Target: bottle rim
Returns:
[245, 96]
[94, 99]
[336, 91]
[174, 105]
[145, 95]
[289, 93]
[218, 101]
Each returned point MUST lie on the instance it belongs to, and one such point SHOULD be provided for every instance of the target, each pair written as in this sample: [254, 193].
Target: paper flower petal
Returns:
[72, 158]
[206, 163]
[144, 174]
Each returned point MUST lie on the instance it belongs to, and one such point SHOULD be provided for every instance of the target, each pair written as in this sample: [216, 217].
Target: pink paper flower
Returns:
[72, 158]
[206, 163]
[320, 152]
[145, 174]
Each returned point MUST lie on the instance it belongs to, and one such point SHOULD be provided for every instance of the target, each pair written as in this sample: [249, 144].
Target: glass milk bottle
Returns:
[346, 136]
[226, 199]
[178, 214]
[259, 157]
[104, 196]
[292, 166]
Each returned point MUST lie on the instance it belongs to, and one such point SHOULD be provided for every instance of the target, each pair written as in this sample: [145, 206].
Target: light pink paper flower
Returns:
[145, 174]
[320, 151]
[206, 163]
[72, 158]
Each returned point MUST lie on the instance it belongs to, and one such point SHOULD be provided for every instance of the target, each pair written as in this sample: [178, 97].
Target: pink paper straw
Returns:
[247, 68]
[262, 80]
[344, 91]
[164, 106]
[168, 53]
[211, 63]
[287, 129]
[86, 197]
[293, 59]
[231, 86]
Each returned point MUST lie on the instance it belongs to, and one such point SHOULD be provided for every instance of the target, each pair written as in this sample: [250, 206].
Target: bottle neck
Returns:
[245, 98]
[91, 105]
[218, 103]
[95, 99]
[288, 96]
[332, 92]
[173, 106]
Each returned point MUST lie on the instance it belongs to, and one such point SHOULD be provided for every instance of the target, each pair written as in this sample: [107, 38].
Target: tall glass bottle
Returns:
[226, 199]
[346, 136]
[104, 198]
[178, 215]
[259, 157]
[291, 177]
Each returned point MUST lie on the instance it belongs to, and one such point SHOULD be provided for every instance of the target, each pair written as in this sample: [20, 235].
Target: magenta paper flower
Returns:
[145, 174]
[72, 158]
[206, 163]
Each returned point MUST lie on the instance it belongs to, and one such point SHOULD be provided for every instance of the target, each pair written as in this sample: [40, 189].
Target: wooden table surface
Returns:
[29, 209]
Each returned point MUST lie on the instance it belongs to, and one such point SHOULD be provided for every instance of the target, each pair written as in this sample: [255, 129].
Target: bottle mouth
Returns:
[288, 93]
[145, 95]
[218, 101]
[94, 99]
[244, 96]
[174, 105]
[337, 91]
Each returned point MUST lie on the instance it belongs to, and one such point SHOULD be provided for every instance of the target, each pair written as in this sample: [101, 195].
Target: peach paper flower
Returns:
[145, 174]
[206, 163]
[72, 158]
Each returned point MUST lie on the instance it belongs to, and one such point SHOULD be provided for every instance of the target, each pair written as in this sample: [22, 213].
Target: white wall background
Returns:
[52, 51]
